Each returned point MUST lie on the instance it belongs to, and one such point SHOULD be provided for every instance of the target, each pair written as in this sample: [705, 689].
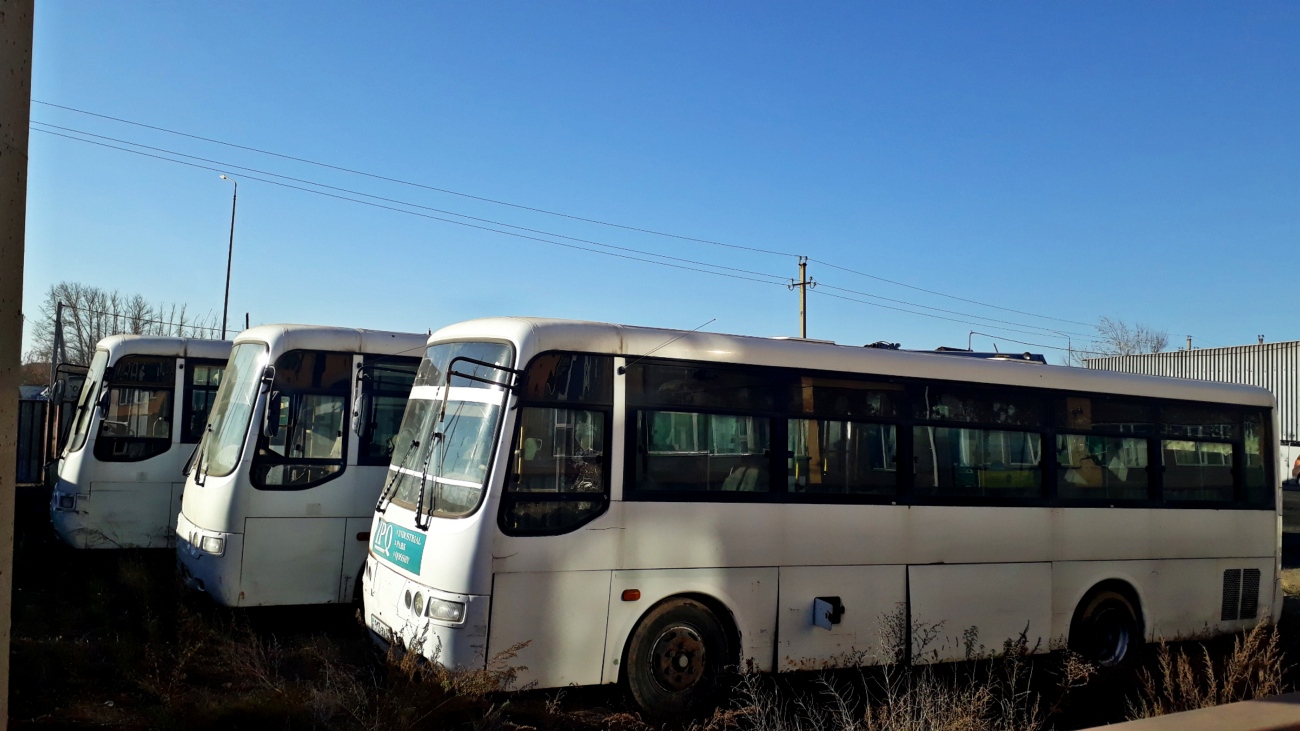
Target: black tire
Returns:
[1105, 630]
[676, 659]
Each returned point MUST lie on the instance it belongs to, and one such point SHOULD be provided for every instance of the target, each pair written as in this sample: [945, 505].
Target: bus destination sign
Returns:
[401, 547]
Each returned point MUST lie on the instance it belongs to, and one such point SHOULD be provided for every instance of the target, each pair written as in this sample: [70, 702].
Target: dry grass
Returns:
[1191, 677]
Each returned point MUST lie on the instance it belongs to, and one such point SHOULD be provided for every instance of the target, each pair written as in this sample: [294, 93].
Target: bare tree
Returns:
[91, 314]
[1117, 337]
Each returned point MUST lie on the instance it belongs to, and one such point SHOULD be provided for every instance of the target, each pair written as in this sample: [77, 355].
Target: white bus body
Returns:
[277, 505]
[627, 485]
[141, 409]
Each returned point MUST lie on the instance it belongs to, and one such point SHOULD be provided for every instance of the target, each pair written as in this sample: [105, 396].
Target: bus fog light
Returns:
[446, 611]
[417, 605]
[65, 502]
[215, 545]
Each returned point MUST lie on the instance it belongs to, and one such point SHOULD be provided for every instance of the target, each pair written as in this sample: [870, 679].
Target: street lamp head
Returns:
[224, 178]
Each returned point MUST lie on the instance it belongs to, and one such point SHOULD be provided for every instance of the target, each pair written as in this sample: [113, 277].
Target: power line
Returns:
[411, 213]
[227, 166]
[133, 319]
[510, 233]
[417, 185]
[950, 296]
[232, 166]
[924, 314]
[951, 312]
[537, 210]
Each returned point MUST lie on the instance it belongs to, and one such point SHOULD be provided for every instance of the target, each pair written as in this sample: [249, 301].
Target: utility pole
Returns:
[225, 305]
[16, 19]
[803, 284]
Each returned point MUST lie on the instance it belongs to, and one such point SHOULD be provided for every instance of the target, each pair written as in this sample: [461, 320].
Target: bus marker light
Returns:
[407, 599]
[631, 595]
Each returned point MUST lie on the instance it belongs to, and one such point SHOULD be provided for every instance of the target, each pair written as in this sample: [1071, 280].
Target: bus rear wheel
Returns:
[675, 659]
[1105, 630]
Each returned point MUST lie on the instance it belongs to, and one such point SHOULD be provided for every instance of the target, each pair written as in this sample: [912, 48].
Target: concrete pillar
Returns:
[16, 18]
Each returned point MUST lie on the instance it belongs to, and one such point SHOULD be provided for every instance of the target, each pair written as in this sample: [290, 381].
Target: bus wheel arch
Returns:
[681, 624]
[1108, 624]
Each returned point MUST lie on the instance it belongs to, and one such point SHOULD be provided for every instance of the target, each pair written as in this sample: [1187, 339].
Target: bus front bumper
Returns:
[209, 561]
[390, 602]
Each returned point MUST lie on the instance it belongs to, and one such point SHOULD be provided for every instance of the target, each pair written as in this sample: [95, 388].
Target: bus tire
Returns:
[675, 659]
[1106, 630]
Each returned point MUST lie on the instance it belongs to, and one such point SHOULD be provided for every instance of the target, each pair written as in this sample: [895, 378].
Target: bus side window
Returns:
[1258, 490]
[558, 471]
[558, 476]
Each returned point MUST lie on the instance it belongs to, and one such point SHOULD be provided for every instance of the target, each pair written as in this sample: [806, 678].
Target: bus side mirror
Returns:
[103, 402]
[268, 375]
[271, 420]
[360, 407]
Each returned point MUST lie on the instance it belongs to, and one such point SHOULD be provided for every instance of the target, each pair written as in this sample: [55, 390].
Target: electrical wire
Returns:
[418, 185]
[411, 213]
[129, 318]
[495, 201]
[231, 166]
[770, 278]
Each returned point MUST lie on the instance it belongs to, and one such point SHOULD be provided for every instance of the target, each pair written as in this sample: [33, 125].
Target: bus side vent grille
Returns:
[1231, 594]
[1249, 593]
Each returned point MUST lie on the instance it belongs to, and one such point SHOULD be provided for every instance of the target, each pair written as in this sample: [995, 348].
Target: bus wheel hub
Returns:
[678, 658]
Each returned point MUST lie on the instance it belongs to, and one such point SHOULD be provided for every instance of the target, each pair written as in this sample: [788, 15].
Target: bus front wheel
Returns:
[1105, 630]
[675, 659]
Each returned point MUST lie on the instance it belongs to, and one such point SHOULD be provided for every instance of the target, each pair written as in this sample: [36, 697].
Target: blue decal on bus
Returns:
[400, 547]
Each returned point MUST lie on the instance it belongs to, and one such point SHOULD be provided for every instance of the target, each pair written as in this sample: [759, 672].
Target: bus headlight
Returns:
[446, 611]
[215, 545]
[417, 605]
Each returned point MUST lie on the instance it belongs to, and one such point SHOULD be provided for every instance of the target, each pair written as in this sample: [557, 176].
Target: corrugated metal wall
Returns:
[1275, 366]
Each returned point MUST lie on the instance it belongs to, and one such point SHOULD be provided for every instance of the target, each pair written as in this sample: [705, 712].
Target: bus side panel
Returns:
[874, 599]
[963, 611]
[1181, 598]
[356, 543]
[561, 615]
[291, 561]
[749, 594]
[130, 515]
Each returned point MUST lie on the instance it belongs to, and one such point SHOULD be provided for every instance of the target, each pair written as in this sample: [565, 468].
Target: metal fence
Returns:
[31, 441]
[1274, 366]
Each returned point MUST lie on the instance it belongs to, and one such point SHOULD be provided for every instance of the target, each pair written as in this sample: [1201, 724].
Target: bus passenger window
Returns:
[841, 457]
[1197, 470]
[1101, 467]
[977, 462]
[201, 386]
[1258, 491]
[308, 446]
[684, 451]
[557, 472]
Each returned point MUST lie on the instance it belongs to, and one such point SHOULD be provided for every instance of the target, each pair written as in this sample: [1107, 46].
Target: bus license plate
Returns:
[381, 629]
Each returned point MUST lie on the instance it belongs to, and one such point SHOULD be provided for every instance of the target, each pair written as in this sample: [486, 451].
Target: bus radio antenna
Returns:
[623, 368]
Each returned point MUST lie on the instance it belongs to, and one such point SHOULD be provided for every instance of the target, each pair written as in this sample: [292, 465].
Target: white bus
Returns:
[279, 498]
[651, 506]
[142, 407]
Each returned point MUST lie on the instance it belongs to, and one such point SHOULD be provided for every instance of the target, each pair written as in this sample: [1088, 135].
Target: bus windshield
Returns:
[441, 460]
[233, 409]
[86, 402]
[136, 423]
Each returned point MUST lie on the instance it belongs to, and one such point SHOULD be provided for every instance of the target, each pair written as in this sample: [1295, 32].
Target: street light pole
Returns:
[230, 252]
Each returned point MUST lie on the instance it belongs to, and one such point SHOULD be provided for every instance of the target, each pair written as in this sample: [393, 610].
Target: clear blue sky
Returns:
[1074, 160]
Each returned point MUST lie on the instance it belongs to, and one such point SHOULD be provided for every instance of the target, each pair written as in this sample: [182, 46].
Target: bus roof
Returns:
[343, 339]
[123, 345]
[536, 335]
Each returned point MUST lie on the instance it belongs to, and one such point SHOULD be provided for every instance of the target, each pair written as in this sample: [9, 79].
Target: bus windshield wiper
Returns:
[389, 490]
[424, 478]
